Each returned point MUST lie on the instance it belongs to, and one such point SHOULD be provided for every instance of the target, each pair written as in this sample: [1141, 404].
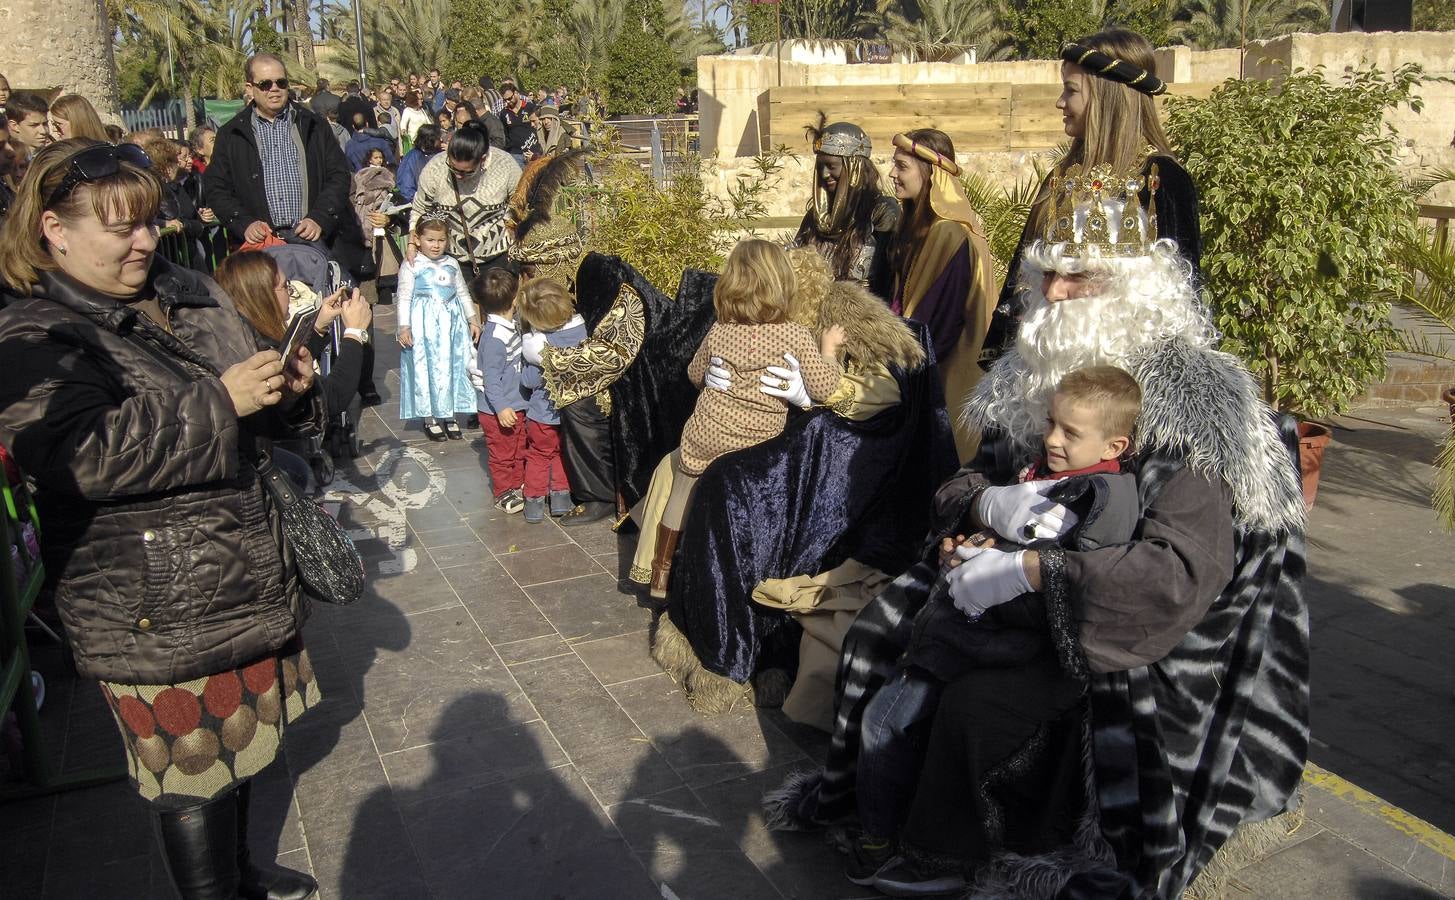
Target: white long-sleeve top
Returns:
[441, 279]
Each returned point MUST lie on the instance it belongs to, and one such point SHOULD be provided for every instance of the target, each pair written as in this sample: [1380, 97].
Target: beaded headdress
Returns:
[1104, 65]
[842, 139]
[1099, 212]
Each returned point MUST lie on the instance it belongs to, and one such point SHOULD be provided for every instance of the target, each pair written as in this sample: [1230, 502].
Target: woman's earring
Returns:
[62, 249]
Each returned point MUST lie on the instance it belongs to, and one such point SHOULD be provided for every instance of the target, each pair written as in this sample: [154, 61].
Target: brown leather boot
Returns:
[662, 561]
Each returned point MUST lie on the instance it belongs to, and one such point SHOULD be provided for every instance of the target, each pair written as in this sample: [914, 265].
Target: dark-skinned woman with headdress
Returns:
[849, 219]
[1108, 105]
[941, 263]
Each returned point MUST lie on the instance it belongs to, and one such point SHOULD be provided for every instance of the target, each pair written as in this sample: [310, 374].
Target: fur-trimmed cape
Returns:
[1184, 751]
[873, 336]
[1200, 406]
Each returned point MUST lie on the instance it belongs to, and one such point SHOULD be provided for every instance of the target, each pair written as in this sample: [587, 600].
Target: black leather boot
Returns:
[199, 848]
[265, 882]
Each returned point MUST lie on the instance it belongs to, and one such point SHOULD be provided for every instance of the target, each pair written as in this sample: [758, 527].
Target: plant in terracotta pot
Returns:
[1302, 207]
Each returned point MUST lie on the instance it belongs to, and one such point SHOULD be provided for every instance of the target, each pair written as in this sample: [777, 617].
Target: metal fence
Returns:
[171, 119]
[666, 145]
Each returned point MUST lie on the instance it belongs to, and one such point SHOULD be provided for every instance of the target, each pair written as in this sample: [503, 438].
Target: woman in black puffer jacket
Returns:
[136, 402]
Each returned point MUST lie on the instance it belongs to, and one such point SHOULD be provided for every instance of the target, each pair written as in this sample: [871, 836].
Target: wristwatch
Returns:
[358, 334]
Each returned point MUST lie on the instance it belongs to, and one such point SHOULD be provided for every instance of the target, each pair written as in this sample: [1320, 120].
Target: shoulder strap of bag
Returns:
[464, 222]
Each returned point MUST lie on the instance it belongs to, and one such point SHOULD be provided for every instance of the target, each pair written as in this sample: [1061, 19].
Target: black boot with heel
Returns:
[199, 848]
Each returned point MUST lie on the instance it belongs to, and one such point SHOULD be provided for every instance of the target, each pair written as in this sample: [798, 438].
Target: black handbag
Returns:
[328, 562]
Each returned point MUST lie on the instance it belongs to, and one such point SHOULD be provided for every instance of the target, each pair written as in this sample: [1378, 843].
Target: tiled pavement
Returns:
[493, 727]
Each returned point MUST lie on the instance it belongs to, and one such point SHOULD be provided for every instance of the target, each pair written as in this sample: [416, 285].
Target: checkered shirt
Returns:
[282, 173]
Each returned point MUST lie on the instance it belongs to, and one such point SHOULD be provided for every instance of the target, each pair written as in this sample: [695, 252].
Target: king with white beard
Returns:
[1187, 647]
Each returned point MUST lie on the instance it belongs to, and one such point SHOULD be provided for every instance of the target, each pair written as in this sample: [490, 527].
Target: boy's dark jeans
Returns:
[893, 740]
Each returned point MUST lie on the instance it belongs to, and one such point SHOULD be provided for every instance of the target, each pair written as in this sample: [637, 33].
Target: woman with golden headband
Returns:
[1109, 82]
[941, 263]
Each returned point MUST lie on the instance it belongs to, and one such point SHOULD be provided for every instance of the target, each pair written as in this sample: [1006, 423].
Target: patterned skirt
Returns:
[188, 743]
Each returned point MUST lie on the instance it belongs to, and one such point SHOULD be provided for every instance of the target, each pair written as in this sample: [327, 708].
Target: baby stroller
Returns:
[309, 264]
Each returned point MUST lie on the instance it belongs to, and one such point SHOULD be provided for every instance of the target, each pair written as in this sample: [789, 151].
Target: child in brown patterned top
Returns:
[752, 332]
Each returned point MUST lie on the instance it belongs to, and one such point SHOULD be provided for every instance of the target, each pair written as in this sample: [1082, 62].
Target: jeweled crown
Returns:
[1099, 212]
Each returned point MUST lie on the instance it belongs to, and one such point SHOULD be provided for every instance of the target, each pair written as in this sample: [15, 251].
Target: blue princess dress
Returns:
[434, 301]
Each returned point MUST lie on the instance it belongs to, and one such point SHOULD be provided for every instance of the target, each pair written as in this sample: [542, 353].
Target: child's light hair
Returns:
[756, 286]
[432, 223]
[545, 304]
[1115, 395]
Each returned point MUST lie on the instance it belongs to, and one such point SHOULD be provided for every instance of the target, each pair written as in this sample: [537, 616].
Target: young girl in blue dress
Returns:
[438, 326]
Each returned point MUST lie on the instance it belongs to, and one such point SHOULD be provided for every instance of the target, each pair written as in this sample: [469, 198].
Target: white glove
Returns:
[786, 383]
[477, 377]
[1021, 512]
[531, 346]
[718, 377]
[988, 578]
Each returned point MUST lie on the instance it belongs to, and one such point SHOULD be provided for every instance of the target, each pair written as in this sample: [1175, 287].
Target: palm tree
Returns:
[1429, 300]
[931, 29]
[689, 39]
[591, 28]
[399, 36]
[66, 36]
[524, 27]
[1232, 23]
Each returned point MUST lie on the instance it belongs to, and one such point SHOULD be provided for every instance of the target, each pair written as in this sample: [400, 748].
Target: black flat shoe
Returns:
[370, 398]
[435, 433]
[452, 429]
[586, 512]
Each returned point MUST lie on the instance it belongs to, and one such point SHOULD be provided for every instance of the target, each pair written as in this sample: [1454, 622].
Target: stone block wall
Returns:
[733, 88]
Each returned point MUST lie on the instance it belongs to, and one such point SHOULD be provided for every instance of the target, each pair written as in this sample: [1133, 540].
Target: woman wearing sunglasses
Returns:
[136, 400]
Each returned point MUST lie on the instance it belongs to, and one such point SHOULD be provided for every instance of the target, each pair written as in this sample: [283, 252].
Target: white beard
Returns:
[1145, 300]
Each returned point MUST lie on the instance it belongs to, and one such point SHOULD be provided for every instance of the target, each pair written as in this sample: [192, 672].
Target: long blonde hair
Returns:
[81, 116]
[1121, 123]
[248, 277]
[756, 286]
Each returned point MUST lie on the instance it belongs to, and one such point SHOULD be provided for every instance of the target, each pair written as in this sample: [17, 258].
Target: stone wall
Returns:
[1425, 136]
[733, 89]
[61, 44]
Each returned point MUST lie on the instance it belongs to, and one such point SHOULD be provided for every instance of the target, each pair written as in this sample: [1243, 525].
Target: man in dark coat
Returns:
[277, 170]
[356, 102]
[323, 100]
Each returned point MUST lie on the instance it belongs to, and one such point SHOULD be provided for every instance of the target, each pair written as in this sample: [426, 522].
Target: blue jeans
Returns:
[893, 740]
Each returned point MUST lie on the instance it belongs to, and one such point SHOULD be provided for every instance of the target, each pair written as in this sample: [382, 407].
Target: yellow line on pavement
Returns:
[1393, 816]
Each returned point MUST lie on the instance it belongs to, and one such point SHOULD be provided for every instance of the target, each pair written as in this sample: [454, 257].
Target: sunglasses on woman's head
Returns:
[267, 84]
[95, 163]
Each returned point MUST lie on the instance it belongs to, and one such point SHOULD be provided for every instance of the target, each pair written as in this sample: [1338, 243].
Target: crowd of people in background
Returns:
[387, 117]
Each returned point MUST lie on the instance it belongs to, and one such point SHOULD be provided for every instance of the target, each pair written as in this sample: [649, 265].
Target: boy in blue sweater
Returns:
[547, 308]
[502, 404]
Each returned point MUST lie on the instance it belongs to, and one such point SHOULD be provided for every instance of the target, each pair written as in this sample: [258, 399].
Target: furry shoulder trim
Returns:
[1201, 406]
[873, 334]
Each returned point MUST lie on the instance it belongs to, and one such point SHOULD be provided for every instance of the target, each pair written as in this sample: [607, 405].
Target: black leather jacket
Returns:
[164, 549]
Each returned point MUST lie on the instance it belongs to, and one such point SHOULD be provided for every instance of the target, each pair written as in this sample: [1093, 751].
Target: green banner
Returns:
[219, 111]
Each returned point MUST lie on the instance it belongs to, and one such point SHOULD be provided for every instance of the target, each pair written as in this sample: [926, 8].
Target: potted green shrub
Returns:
[1303, 207]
